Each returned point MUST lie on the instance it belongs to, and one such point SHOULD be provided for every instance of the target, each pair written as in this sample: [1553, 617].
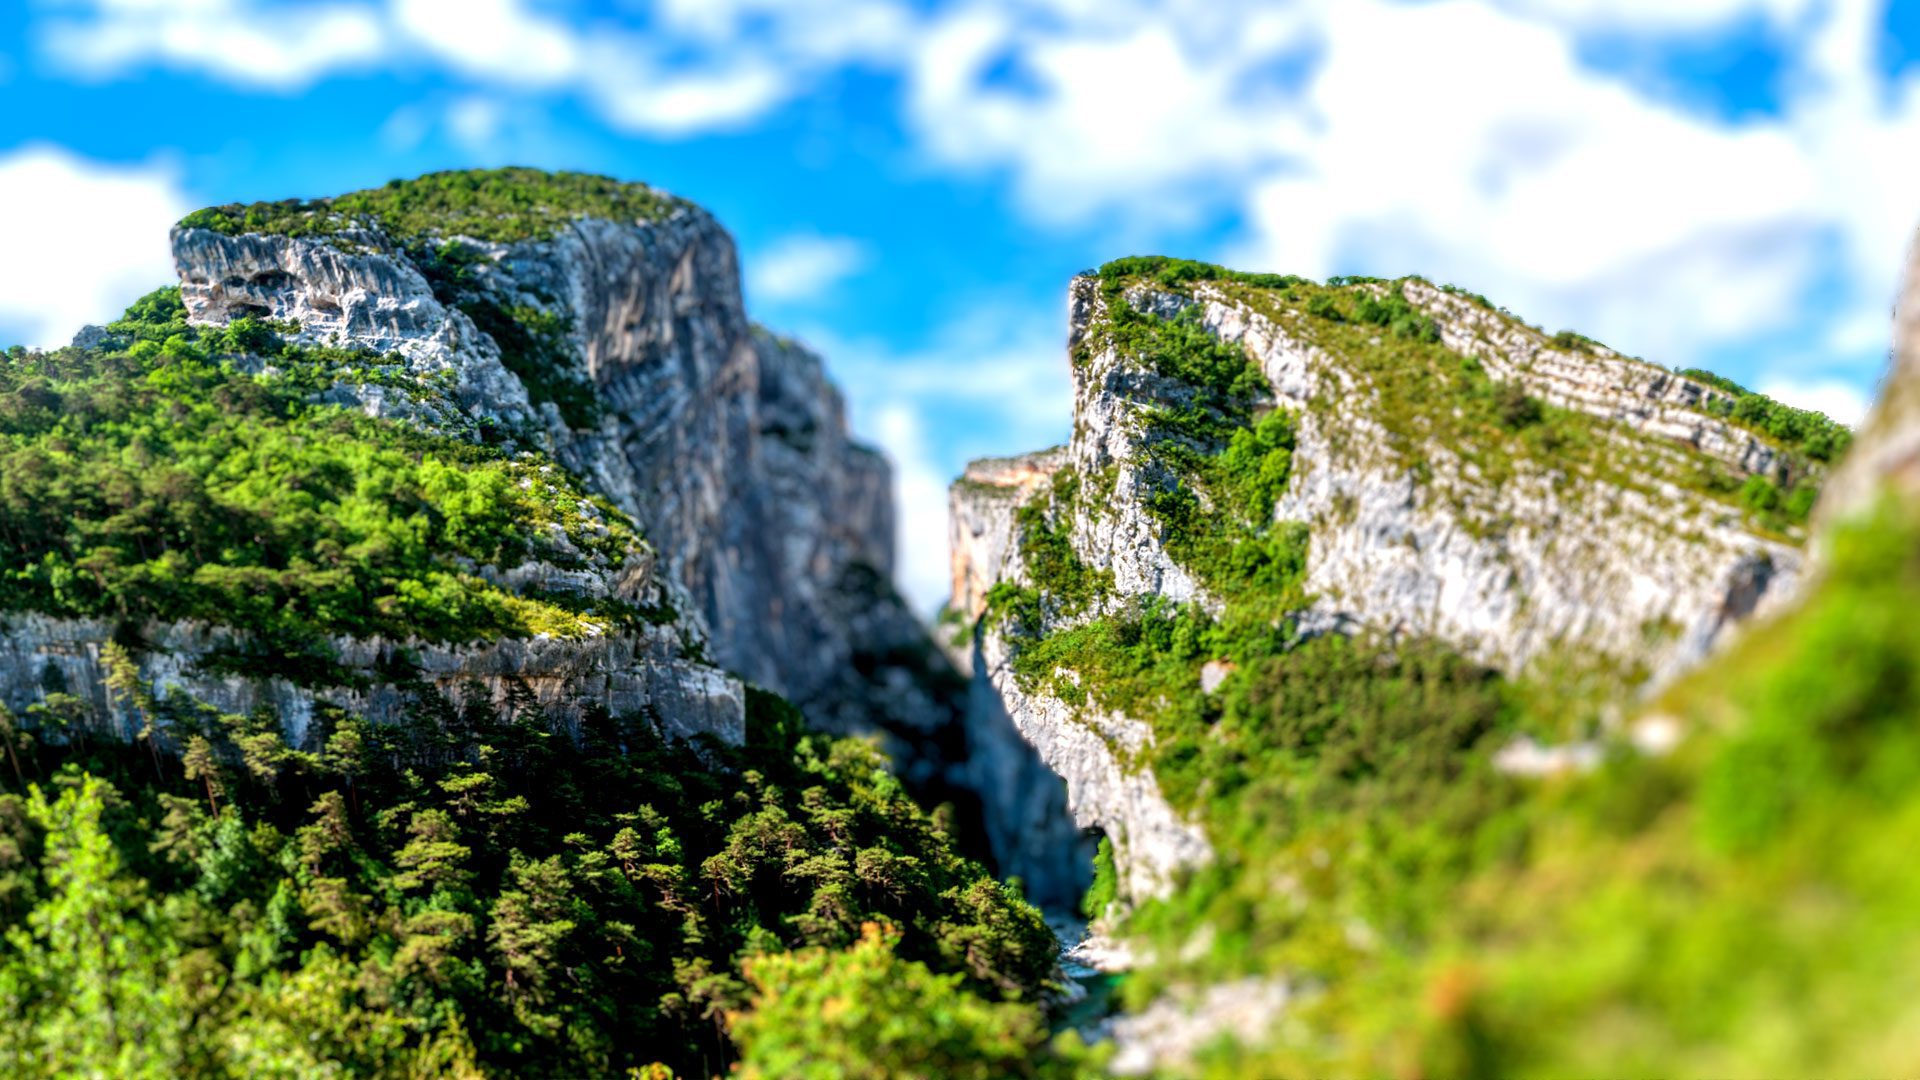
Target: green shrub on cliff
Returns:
[1737, 906]
[501, 205]
[1743, 905]
[157, 478]
[1811, 433]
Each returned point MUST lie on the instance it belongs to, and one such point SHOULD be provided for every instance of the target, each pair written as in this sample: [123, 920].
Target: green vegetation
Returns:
[496, 205]
[1809, 433]
[866, 1014]
[158, 478]
[1105, 887]
[1489, 427]
[471, 892]
[427, 217]
[1176, 273]
[1742, 906]
[1219, 468]
[1063, 586]
[477, 889]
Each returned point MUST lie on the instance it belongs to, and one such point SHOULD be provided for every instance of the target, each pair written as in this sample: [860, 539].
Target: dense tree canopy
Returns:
[469, 892]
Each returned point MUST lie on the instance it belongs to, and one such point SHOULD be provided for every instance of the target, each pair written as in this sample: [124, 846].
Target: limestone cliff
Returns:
[1454, 474]
[619, 348]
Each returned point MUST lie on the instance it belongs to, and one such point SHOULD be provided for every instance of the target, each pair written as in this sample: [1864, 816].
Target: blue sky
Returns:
[1729, 183]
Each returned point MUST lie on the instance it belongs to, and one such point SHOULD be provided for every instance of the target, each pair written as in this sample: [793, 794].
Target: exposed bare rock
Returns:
[628, 673]
[1169, 1033]
[726, 443]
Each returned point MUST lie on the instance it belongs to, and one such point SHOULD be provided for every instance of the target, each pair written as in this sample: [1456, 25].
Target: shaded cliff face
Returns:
[624, 351]
[1374, 458]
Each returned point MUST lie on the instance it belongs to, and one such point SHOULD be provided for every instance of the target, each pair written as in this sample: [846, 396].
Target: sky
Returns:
[1729, 184]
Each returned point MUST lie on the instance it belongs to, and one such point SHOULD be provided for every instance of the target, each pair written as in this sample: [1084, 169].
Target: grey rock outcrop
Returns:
[629, 673]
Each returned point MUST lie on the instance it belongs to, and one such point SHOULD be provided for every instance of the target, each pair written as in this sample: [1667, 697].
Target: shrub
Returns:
[864, 1012]
[1516, 408]
[504, 205]
[1322, 306]
[154, 479]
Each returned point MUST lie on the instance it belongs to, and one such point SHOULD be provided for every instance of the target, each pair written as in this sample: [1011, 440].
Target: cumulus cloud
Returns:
[247, 43]
[682, 68]
[1842, 401]
[83, 239]
[638, 96]
[475, 121]
[1661, 15]
[1143, 113]
[496, 40]
[804, 266]
[1463, 139]
[1572, 200]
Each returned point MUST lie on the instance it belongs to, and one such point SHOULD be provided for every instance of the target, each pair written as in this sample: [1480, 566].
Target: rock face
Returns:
[1631, 566]
[645, 673]
[622, 351]
[726, 443]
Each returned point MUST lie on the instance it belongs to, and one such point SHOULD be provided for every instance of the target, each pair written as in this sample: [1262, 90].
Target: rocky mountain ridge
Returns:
[622, 351]
[1452, 473]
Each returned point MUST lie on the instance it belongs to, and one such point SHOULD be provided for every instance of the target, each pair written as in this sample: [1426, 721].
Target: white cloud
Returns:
[638, 96]
[275, 48]
[498, 40]
[688, 68]
[921, 560]
[1099, 113]
[1842, 401]
[1659, 15]
[804, 266]
[1457, 138]
[1575, 202]
[83, 239]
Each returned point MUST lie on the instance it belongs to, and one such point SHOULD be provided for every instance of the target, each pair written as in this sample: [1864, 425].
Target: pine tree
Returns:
[199, 763]
[125, 686]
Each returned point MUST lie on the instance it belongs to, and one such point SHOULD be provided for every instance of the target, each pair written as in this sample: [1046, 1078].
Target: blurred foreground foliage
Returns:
[1744, 905]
